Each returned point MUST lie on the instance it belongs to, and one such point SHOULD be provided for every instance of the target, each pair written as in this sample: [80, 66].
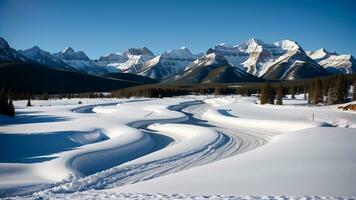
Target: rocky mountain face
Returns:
[212, 68]
[81, 62]
[334, 63]
[130, 61]
[8, 54]
[38, 55]
[168, 63]
[283, 60]
[280, 60]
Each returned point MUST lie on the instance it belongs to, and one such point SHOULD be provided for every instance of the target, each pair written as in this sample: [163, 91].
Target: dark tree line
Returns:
[326, 90]
[6, 106]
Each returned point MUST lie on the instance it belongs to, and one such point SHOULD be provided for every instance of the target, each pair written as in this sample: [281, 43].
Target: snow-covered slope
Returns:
[130, 61]
[334, 63]
[252, 55]
[9, 54]
[212, 68]
[81, 62]
[229, 145]
[264, 60]
[168, 64]
[344, 64]
[294, 64]
[38, 55]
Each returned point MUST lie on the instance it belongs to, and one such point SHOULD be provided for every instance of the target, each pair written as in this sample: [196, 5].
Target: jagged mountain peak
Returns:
[4, 44]
[209, 59]
[69, 54]
[68, 50]
[254, 41]
[139, 51]
[35, 50]
[178, 53]
[288, 45]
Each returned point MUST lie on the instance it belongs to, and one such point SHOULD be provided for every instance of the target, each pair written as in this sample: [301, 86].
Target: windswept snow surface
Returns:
[185, 147]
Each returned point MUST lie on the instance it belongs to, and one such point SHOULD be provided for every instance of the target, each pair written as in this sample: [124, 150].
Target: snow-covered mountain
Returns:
[334, 63]
[279, 60]
[38, 55]
[252, 55]
[130, 61]
[168, 63]
[8, 54]
[212, 68]
[81, 62]
[293, 64]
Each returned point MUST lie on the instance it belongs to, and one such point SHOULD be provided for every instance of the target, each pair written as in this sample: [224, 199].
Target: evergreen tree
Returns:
[280, 95]
[292, 92]
[340, 89]
[11, 109]
[354, 92]
[29, 101]
[317, 95]
[267, 95]
[44, 96]
[2, 101]
[331, 95]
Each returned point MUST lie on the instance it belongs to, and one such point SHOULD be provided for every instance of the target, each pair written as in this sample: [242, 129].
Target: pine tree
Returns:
[317, 95]
[271, 95]
[292, 92]
[29, 101]
[2, 101]
[354, 92]
[340, 89]
[280, 95]
[11, 108]
[265, 93]
[44, 96]
[331, 95]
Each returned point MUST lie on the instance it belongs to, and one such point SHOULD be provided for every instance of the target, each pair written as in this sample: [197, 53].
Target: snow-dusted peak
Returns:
[288, 45]
[139, 51]
[113, 57]
[68, 50]
[254, 42]
[319, 54]
[178, 53]
[4, 44]
[224, 45]
[69, 54]
[33, 52]
[209, 59]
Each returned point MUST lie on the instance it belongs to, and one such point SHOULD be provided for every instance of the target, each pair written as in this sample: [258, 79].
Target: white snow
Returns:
[185, 147]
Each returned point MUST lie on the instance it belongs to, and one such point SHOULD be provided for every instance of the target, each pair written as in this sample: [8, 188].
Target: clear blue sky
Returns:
[102, 27]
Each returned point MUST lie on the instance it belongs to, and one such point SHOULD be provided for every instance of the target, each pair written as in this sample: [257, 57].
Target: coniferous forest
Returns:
[326, 90]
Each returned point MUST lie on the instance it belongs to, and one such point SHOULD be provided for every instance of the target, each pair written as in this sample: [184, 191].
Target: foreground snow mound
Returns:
[318, 161]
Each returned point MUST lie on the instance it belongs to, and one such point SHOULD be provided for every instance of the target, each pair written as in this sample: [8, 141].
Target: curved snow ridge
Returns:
[126, 143]
[273, 126]
[189, 140]
[94, 157]
[155, 113]
[197, 146]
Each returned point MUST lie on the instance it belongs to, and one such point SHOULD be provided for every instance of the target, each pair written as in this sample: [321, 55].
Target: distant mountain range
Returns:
[251, 61]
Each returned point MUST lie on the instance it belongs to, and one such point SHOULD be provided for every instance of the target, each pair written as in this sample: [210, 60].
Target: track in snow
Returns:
[228, 143]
